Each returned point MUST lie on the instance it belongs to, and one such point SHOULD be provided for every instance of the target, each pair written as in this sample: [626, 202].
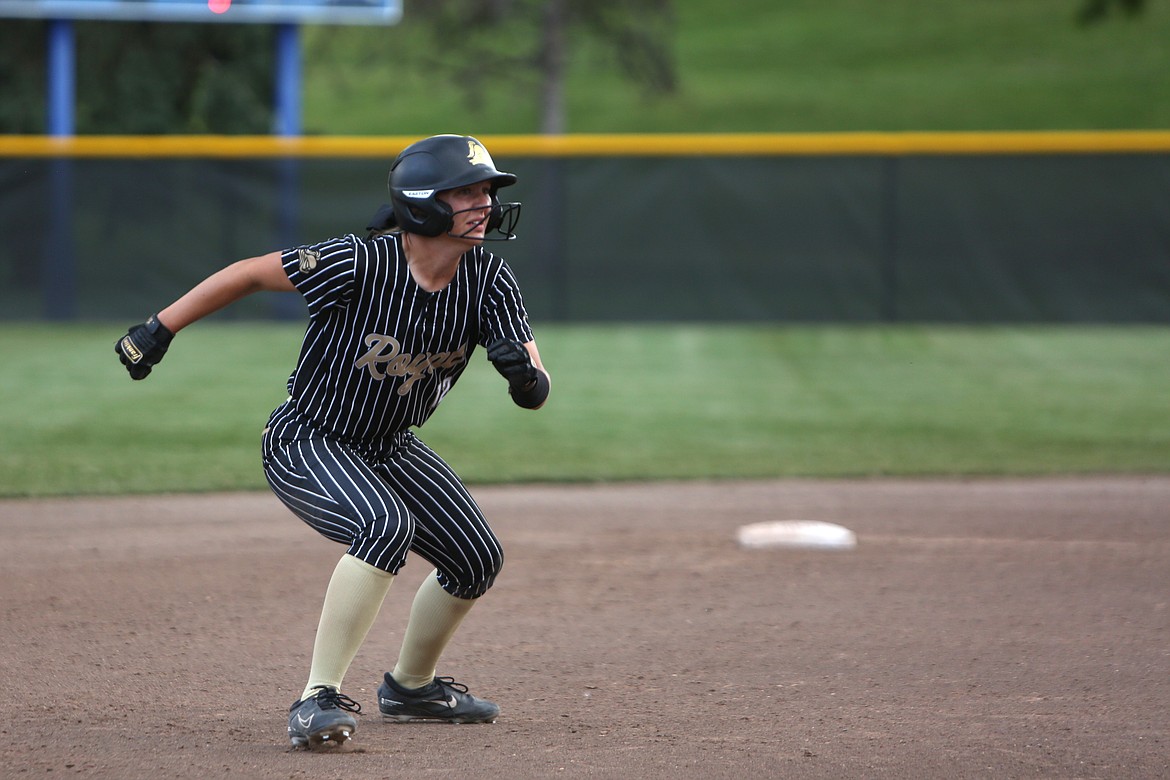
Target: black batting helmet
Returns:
[444, 162]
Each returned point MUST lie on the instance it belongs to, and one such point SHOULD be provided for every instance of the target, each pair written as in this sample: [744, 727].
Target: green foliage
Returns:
[22, 45]
[142, 78]
[139, 77]
[1093, 11]
[644, 402]
[760, 65]
[640, 38]
[526, 45]
[754, 65]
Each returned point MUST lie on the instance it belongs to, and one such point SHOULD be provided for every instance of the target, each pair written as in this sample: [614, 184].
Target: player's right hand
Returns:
[513, 362]
[143, 347]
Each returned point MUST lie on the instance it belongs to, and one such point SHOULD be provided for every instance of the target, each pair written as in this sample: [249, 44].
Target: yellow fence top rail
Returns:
[648, 145]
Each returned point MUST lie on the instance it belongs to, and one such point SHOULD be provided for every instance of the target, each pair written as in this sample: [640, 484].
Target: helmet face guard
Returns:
[445, 162]
[502, 219]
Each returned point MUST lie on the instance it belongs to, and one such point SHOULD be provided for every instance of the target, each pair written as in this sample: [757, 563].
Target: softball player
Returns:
[394, 319]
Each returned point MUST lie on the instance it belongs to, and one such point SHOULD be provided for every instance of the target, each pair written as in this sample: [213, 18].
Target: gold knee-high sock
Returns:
[352, 601]
[434, 617]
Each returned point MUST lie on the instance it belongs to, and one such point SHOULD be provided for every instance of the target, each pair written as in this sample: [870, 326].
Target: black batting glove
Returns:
[143, 347]
[513, 362]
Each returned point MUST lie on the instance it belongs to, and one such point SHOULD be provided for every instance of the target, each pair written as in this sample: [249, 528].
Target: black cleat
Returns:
[443, 700]
[322, 720]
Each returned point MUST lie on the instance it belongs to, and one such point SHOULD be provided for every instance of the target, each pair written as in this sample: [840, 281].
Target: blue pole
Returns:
[62, 68]
[58, 269]
[288, 79]
[288, 123]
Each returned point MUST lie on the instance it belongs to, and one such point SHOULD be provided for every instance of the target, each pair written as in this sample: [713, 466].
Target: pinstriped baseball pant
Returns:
[407, 499]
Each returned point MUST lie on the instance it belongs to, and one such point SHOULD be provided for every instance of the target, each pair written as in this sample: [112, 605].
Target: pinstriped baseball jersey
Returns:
[380, 352]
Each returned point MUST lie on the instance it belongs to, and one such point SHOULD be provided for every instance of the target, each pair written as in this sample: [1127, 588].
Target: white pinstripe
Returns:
[410, 501]
[361, 288]
[339, 453]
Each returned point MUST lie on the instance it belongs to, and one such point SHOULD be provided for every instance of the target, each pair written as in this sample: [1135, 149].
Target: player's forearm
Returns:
[212, 294]
[534, 394]
[224, 288]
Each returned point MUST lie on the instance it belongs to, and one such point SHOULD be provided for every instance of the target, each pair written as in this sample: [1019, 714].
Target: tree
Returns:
[488, 39]
[141, 77]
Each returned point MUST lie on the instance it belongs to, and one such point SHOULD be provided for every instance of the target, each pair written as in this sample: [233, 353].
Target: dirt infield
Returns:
[1002, 628]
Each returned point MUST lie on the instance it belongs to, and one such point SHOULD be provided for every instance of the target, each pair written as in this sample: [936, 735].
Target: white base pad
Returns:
[796, 533]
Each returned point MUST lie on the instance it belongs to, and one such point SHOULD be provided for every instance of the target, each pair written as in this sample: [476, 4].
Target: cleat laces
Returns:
[449, 682]
[329, 699]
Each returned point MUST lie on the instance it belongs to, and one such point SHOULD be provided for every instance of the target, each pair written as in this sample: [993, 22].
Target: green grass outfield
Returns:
[767, 66]
[629, 402]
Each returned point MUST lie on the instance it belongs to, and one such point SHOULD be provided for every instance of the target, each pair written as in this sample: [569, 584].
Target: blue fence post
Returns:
[62, 70]
[288, 79]
[58, 268]
[288, 124]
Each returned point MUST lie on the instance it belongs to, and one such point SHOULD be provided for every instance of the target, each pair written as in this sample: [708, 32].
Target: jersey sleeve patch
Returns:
[308, 258]
[324, 273]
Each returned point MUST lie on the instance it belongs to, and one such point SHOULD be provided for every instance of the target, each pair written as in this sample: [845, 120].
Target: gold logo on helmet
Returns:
[477, 155]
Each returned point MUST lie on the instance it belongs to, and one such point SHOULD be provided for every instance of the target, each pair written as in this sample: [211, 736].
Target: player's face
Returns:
[472, 206]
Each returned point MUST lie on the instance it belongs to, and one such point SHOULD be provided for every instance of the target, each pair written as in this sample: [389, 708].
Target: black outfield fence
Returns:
[1041, 227]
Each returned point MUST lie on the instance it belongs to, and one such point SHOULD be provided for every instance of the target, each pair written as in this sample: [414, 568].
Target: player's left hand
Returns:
[513, 362]
[143, 347]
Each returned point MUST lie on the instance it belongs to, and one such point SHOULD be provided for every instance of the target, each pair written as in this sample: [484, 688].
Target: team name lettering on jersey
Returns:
[385, 358]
